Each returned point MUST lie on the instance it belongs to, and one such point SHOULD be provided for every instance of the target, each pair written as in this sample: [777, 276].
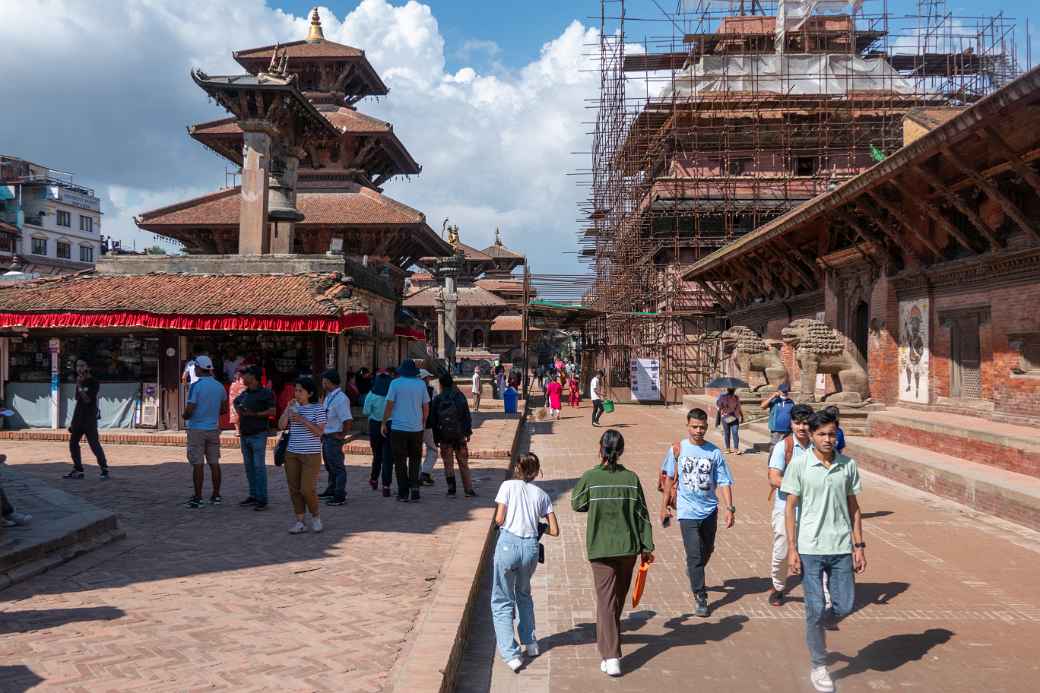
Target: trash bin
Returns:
[510, 397]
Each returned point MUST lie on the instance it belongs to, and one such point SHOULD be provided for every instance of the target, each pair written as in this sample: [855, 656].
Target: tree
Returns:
[155, 250]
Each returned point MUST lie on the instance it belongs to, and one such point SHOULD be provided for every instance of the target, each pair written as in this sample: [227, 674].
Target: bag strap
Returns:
[788, 449]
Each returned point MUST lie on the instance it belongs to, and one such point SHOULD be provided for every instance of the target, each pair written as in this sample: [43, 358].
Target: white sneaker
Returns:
[298, 528]
[612, 667]
[316, 524]
[820, 679]
[515, 664]
[603, 666]
[532, 649]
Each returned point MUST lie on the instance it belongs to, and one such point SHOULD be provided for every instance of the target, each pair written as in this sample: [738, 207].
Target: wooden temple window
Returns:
[805, 166]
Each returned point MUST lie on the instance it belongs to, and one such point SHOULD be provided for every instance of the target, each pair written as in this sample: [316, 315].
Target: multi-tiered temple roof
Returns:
[341, 168]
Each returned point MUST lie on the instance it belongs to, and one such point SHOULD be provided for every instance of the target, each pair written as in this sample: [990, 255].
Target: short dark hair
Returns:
[833, 411]
[332, 375]
[697, 414]
[307, 383]
[528, 467]
[255, 371]
[446, 381]
[801, 412]
[822, 418]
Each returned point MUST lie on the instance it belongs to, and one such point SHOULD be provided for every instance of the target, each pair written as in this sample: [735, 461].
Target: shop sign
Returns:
[645, 379]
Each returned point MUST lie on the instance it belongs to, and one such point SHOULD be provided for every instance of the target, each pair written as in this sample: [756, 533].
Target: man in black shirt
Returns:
[255, 405]
[85, 422]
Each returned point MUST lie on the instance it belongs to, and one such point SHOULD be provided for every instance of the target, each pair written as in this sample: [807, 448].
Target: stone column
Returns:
[256, 163]
[282, 232]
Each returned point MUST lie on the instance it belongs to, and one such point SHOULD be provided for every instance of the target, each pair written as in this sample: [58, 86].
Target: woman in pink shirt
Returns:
[730, 415]
[555, 393]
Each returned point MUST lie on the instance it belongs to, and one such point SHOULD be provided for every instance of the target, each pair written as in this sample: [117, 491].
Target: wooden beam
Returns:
[1014, 160]
[991, 190]
[924, 206]
[792, 264]
[798, 254]
[957, 201]
[897, 242]
[899, 216]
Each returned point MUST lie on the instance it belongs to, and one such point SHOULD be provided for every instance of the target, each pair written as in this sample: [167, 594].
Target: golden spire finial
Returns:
[315, 33]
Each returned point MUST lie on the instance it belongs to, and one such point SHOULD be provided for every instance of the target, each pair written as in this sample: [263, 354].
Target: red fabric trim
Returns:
[245, 323]
[410, 333]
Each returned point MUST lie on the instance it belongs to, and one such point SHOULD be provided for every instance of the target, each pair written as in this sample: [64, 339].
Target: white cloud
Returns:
[108, 96]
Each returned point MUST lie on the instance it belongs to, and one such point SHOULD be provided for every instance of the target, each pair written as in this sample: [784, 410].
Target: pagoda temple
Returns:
[489, 299]
[299, 268]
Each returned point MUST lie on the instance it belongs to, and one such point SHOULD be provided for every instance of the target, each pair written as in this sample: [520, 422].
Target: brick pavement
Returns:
[223, 598]
[950, 601]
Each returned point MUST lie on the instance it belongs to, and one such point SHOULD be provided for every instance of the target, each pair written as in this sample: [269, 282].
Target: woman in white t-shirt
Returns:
[521, 505]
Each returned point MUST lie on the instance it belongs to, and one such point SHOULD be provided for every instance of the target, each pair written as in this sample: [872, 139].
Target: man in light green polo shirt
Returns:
[821, 487]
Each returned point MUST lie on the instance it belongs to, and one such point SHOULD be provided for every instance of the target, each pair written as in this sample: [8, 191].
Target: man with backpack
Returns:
[452, 427]
[783, 452]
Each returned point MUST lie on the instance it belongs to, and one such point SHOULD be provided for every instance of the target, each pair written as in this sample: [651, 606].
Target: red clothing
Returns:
[575, 392]
[555, 392]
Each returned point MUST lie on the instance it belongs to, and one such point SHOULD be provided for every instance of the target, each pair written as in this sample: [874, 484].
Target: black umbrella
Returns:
[726, 383]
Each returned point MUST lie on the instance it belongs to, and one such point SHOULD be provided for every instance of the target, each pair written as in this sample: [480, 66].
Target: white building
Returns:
[58, 221]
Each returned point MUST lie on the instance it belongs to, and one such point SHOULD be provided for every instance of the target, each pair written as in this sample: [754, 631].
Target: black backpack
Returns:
[449, 422]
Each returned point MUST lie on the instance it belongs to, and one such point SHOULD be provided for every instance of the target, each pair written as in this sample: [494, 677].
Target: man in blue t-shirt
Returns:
[207, 399]
[779, 406]
[408, 406]
[698, 477]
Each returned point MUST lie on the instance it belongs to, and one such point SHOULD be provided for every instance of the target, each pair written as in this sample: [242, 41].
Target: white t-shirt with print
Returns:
[525, 505]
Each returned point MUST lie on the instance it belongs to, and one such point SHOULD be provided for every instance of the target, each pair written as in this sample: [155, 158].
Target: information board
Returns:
[645, 380]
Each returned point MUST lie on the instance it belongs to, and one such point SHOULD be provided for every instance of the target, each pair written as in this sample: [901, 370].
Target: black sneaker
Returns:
[248, 501]
[336, 501]
[470, 493]
[415, 495]
[327, 493]
[451, 492]
[776, 598]
[702, 608]
[74, 474]
[386, 492]
[194, 502]
[215, 500]
[425, 480]
[104, 474]
[260, 506]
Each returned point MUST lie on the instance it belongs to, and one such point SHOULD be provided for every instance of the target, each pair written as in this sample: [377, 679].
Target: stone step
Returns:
[999, 492]
[63, 526]
[1006, 446]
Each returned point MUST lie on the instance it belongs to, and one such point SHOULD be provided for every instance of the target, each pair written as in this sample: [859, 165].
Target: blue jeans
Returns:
[254, 457]
[731, 431]
[515, 562]
[838, 569]
[335, 463]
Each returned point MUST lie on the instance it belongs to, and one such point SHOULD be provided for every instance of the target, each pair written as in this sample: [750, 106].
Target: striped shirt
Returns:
[302, 441]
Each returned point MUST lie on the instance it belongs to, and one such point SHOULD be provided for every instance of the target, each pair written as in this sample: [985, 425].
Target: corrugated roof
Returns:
[469, 297]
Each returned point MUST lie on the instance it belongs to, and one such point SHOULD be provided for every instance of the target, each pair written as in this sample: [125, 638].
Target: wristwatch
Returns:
[861, 545]
[732, 508]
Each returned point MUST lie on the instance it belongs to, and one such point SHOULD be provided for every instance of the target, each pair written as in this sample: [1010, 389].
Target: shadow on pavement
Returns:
[737, 588]
[868, 593]
[682, 634]
[18, 678]
[876, 514]
[888, 654]
[41, 619]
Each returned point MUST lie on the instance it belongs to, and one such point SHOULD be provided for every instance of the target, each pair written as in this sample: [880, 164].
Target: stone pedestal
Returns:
[253, 237]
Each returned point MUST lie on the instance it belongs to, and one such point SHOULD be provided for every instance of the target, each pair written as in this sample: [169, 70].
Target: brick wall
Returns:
[979, 451]
[883, 343]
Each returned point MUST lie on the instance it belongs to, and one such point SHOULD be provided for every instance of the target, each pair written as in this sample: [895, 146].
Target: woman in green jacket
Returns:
[619, 531]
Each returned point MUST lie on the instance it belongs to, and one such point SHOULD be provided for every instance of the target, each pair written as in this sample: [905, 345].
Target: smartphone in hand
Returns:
[667, 521]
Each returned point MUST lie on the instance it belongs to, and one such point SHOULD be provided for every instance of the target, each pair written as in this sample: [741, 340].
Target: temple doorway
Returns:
[966, 357]
[861, 327]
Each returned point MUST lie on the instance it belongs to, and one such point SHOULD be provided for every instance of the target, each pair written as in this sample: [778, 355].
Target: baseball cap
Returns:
[784, 387]
[424, 374]
[204, 362]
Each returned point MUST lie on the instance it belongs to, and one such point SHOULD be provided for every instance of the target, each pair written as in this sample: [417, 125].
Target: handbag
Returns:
[608, 406]
[730, 419]
[281, 448]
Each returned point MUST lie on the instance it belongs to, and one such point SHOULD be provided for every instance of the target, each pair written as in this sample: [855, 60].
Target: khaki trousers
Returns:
[301, 475]
[612, 576]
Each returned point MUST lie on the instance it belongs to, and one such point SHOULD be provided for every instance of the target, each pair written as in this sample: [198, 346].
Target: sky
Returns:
[491, 97]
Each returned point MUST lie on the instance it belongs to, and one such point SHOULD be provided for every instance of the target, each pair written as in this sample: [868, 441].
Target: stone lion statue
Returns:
[819, 348]
[753, 354]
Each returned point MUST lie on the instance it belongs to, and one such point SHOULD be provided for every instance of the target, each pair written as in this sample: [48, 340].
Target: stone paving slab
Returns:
[950, 600]
[62, 527]
[223, 598]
